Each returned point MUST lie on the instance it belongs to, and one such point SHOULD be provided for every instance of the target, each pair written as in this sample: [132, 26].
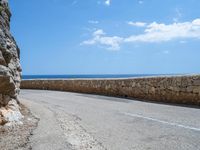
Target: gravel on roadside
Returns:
[16, 136]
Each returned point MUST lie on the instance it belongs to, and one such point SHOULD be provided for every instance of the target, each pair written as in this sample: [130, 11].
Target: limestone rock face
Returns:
[10, 70]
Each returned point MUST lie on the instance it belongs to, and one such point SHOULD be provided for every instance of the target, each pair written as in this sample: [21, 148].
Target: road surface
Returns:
[82, 121]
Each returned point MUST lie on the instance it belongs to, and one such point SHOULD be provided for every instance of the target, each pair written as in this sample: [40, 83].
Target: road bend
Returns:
[83, 121]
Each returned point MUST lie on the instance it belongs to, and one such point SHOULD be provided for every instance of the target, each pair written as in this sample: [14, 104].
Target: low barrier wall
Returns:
[170, 89]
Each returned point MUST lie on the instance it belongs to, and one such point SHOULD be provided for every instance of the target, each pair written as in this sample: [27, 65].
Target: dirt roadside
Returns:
[16, 137]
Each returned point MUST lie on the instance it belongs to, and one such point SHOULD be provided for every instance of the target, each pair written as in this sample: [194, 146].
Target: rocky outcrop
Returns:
[10, 70]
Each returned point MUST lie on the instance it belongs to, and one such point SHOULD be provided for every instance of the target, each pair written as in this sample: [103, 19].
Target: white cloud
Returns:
[153, 33]
[93, 21]
[108, 2]
[156, 32]
[100, 38]
[137, 24]
[99, 32]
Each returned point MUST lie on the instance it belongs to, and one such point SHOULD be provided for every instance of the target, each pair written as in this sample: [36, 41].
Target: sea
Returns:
[103, 76]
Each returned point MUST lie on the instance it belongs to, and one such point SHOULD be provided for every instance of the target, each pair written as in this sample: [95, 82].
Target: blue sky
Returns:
[107, 36]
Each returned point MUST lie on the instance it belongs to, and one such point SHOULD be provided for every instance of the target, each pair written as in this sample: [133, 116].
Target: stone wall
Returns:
[173, 89]
[10, 70]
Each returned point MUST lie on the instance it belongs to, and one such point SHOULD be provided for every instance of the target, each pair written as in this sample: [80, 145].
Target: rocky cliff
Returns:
[10, 70]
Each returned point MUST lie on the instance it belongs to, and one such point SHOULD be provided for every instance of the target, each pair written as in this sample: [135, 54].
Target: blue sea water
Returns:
[86, 76]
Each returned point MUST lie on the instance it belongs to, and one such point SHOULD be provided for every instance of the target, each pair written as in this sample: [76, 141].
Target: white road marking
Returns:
[162, 121]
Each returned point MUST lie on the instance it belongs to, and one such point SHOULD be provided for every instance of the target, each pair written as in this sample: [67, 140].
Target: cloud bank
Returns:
[153, 33]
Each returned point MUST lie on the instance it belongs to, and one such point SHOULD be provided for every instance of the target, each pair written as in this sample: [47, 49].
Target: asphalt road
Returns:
[82, 121]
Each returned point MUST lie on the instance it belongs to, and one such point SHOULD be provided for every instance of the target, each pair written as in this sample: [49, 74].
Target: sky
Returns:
[107, 36]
